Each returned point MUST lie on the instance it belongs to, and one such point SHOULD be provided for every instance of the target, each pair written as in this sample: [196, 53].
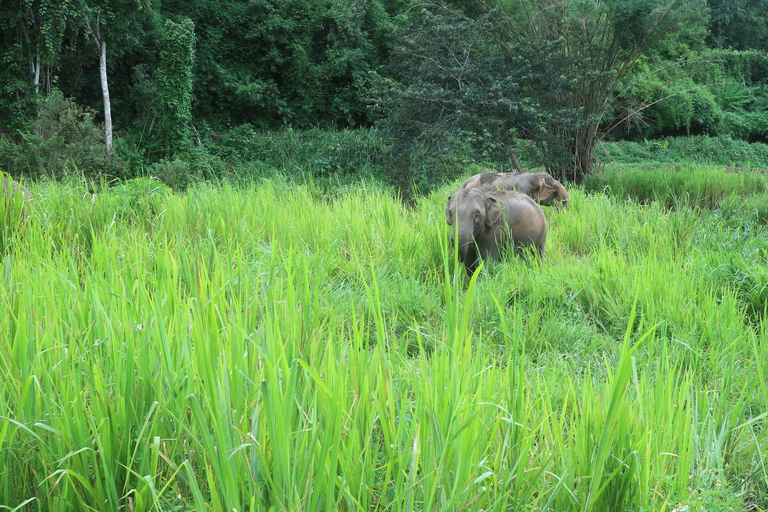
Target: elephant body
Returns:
[487, 222]
[540, 186]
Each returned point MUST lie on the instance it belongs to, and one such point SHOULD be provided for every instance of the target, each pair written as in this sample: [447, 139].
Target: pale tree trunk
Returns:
[105, 93]
[101, 44]
[34, 60]
[35, 65]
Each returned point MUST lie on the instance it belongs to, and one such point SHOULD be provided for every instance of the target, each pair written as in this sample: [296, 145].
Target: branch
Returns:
[701, 86]
[89, 29]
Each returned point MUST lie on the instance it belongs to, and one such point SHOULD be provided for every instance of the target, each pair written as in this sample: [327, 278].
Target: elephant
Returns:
[485, 223]
[540, 186]
[11, 188]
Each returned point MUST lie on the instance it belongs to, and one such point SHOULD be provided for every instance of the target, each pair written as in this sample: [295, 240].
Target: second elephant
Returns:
[540, 186]
[485, 223]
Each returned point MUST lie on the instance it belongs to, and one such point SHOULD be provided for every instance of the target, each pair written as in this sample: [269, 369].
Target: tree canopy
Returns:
[475, 76]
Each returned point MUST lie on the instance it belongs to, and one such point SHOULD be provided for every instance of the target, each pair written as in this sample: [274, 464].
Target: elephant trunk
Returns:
[466, 248]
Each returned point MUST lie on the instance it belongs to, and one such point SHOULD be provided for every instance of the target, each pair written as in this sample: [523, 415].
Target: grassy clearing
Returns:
[276, 348]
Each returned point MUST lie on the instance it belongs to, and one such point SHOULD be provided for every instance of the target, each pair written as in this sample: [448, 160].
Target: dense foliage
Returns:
[174, 87]
[447, 83]
[447, 96]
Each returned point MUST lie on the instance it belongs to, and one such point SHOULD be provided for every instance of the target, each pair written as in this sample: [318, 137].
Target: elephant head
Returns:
[551, 191]
[471, 213]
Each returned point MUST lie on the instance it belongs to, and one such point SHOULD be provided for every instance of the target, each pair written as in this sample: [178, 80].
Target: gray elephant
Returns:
[540, 186]
[487, 222]
[13, 189]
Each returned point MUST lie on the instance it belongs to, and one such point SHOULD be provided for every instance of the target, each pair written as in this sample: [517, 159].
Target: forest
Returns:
[187, 90]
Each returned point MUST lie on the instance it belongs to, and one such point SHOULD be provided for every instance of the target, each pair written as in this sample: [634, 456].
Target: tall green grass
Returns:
[275, 348]
[695, 150]
[691, 186]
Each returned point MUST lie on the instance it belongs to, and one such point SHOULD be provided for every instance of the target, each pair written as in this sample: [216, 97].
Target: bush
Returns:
[176, 173]
[626, 152]
[751, 126]
[138, 199]
[62, 140]
[208, 166]
[693, 111]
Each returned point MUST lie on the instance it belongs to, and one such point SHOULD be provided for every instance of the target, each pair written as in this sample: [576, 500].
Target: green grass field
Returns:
[274, 347]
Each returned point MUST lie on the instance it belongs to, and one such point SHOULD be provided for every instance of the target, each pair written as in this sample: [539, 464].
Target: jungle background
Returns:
[405, 91]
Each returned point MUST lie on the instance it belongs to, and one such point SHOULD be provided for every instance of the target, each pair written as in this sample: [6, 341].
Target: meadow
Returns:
[282, 346]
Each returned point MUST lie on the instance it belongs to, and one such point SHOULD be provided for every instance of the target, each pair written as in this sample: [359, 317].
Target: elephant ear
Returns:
[547, 190]
[492, 212]
[448, 212]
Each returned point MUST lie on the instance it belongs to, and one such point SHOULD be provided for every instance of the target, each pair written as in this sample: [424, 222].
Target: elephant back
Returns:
[524, 218]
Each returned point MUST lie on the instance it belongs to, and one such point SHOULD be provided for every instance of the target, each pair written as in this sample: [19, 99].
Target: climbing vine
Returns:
[174, 88]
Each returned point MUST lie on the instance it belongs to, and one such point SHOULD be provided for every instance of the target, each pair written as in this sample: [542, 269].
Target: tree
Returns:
[739, 24]
[593, 44]
[30, 45]
[110, 19]
[270, 62]
[44, 24]
[448, 93]
[543, 70]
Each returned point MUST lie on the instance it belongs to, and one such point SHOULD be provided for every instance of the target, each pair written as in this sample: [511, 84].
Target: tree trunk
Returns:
[105, 93]
[35, 65]
[101, 44]
[585, 141]
[515, 163]
[197, 136]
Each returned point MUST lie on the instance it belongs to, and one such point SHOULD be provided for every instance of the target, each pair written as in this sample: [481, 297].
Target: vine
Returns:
[174, 88]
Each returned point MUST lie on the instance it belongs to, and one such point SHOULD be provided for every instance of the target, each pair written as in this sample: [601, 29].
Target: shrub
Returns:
[175, 173]
[692, 111]
[750, 126]
[138, 198]
[696, 149]
[208, 166]
[63, 139]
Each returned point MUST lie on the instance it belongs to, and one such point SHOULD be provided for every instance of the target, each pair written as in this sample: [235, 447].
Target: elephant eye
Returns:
[477, 217]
